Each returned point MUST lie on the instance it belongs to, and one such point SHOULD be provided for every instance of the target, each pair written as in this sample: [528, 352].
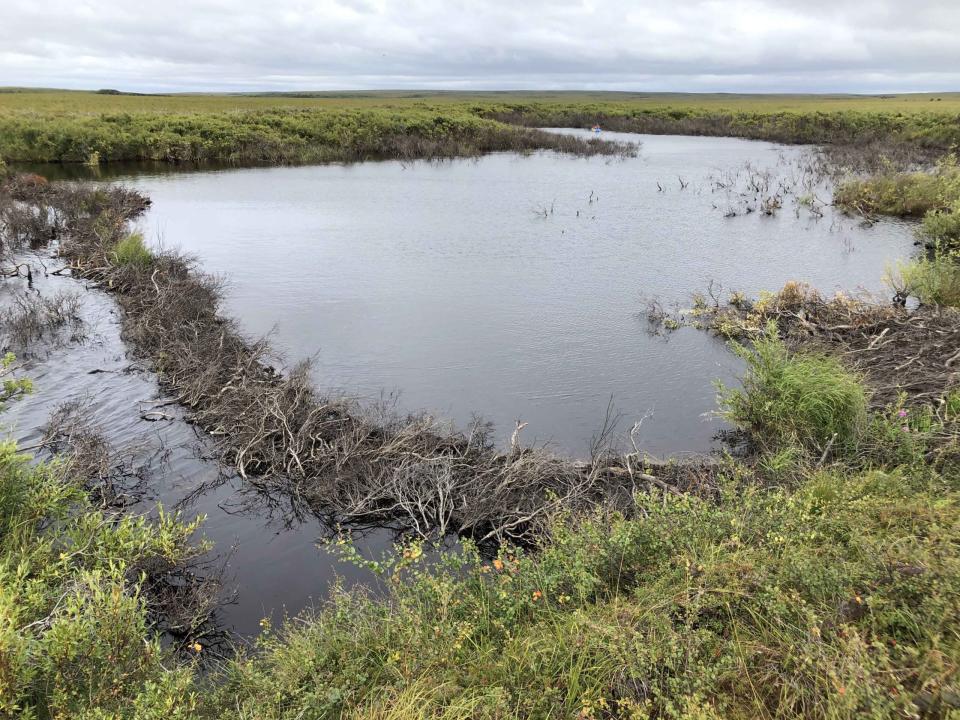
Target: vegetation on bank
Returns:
[814, 590]
[75, 630]
[272, 136]
[935, 193]
[816, 577]
[807, 401]
[96, 127]
[934, 277]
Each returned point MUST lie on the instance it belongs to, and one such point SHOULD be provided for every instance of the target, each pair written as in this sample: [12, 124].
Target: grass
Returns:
[60, 126]
[69, 101]
[904, 194]
[795, 399]
[131, 251]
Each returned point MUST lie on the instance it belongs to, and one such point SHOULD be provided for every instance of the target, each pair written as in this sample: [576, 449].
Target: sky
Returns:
[643, 45]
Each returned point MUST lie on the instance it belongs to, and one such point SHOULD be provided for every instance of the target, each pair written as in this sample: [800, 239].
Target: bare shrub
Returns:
[110, 476]
[31, 317]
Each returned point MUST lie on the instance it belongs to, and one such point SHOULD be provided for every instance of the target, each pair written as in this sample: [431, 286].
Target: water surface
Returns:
[506, 286]
[510, 286]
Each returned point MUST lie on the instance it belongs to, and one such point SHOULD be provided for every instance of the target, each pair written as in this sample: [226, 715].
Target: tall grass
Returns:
[795, 399]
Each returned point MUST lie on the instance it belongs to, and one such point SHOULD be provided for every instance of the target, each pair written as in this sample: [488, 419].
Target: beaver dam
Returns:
[425, 296]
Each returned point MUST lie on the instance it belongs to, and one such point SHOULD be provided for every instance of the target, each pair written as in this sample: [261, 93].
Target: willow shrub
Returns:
[940, 230]
[74, 640]
[904, 194]
[803, 399]
[933, 281]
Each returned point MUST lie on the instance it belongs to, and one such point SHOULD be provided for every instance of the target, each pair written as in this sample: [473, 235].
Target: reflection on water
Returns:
[504, 286]
[510, 286]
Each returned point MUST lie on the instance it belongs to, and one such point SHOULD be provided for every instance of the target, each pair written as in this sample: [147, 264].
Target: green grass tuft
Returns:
[132, 252]
[796, 399]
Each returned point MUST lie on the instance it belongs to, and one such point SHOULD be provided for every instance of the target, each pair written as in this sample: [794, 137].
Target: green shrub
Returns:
[132, 252]
[934, 281]
[74, 640]
[834, 600]
[904, 194]
[940, 230]
[801, 399]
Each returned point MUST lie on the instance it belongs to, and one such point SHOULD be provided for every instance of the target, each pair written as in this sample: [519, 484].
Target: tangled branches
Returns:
[31, 317]
[914, 353]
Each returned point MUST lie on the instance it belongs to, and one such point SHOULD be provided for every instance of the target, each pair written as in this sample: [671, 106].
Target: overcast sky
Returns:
[646, 45]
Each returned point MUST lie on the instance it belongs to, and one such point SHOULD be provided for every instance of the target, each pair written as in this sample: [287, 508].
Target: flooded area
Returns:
[270, 558]
[507, 287]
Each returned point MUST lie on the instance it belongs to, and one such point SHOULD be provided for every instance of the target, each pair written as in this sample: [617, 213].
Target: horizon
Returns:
[415, 91]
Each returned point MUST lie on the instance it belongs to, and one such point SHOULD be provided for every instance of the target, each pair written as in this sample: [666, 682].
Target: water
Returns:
[271, 561]
[506, 286]
[445, 282]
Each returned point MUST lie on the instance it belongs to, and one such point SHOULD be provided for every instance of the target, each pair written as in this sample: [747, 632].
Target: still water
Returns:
[506, 286]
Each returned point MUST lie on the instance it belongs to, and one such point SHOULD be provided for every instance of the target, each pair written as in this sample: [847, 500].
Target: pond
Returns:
[510, 287]
[506, 286]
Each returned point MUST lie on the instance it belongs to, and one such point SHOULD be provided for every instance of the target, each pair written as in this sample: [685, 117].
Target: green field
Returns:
[62, 126]
[65, 101]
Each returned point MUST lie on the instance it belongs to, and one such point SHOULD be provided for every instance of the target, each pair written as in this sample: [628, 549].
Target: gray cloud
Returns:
[695, 45]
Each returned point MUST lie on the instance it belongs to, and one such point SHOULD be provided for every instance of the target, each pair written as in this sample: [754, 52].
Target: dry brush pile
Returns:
[908, 353]
[281, 434]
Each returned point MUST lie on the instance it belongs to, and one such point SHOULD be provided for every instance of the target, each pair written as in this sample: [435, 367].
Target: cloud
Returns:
[724, 45]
